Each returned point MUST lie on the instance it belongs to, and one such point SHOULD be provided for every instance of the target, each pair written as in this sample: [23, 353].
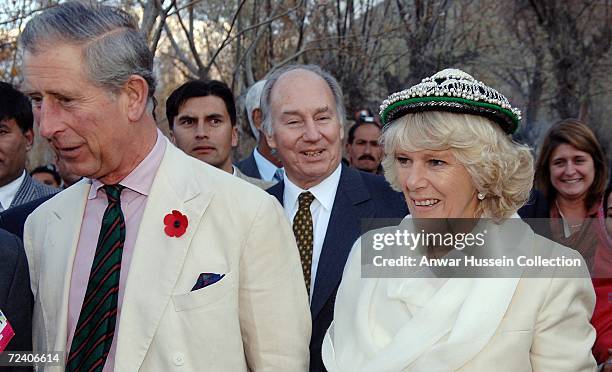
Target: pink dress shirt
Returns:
[133, 200]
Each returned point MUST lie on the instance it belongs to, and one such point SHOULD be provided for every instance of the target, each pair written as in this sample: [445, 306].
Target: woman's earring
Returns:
[481, 195]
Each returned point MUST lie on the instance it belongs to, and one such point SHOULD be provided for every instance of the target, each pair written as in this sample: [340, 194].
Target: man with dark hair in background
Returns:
[16, 139]
[202, 120]
[362, 148]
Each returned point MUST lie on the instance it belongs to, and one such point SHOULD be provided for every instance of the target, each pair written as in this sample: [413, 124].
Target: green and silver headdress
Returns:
[455, 91]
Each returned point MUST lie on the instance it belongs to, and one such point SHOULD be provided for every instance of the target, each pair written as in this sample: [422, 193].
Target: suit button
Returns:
[178, 359]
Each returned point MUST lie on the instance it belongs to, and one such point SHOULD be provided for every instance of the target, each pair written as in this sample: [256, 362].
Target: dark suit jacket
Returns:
[15, 295]
[359, 196]
[30, 190]
[14, 218]
[536, 213]
[248, 166]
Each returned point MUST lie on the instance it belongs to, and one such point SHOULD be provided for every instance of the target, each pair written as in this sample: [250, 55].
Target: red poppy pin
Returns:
[176, 224]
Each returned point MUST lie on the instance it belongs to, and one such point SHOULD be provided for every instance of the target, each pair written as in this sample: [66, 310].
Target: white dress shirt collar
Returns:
[8, 191]
[324, 192]
[265, 166]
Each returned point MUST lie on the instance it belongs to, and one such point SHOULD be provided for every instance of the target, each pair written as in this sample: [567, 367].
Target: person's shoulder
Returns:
[545, 245]
[10, 248]
[7, 237]
[374, 183]
[536, 206]
[13, 219]
[62, 199]
[381, 192]
[246, 162]
[262, 184]
[44, 190]
[224, 185]
[574, 264]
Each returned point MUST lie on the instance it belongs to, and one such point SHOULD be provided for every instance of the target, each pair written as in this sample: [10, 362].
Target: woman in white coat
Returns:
[448, 149]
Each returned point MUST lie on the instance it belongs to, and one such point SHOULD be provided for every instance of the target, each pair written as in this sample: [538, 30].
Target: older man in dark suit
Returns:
[327, 202]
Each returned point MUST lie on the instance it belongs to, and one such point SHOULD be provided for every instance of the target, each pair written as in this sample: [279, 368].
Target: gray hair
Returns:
[113, 47]
[252, 101]
[273, 77]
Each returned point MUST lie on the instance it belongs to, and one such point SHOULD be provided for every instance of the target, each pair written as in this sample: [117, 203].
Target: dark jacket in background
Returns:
[248, 166]
[15, 295]
[13, 219]
[536, 213]
[30, 190]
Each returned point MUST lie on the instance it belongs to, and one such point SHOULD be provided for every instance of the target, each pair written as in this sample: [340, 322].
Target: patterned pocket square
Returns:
[206, 279]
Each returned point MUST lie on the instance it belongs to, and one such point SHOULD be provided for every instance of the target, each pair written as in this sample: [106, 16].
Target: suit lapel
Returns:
[158, 259]
[277, 191]
[248, 166]
[350, 206]
[59, 251]
[252, 166]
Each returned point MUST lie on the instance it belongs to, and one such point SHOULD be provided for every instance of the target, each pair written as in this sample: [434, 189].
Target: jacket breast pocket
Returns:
[211, 296]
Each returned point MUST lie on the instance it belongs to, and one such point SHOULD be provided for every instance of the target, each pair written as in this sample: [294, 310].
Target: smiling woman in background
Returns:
[448, 150]
[571, 171]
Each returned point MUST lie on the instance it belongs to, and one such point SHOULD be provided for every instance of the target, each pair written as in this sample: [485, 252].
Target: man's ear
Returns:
[137, 91]
[172, 138]
[234, 136]
[271, 140]
[29, 137]
[257, 118]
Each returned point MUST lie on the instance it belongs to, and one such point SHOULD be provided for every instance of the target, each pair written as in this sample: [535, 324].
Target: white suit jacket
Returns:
[255, 318]
[526, 324]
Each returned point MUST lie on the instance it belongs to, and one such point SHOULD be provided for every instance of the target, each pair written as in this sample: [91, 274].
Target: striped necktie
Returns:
[278, 174]
[303, 231]
[95, 328]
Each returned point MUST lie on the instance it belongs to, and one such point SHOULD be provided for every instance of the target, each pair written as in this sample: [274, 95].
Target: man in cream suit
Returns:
[148, 264]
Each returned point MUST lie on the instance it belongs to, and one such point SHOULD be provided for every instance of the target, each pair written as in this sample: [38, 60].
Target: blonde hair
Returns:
[498, 166]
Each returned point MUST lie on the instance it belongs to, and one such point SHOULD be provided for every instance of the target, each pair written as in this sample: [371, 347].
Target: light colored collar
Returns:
[8, 191]
[265, 166]
[567, 232]
[324, 192]
[140, 178]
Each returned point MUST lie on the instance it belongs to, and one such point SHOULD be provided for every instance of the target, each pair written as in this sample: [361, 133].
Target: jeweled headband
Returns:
[455, 91]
